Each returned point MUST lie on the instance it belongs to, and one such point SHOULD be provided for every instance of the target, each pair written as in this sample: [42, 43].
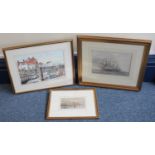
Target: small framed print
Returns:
[72, 104]
[112, 62]
[40, 66]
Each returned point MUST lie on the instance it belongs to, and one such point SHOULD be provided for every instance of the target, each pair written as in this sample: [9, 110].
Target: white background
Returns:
[132, 16]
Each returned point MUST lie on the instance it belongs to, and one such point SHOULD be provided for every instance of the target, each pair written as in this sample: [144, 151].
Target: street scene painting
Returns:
[111, 63]
[73, 103]
[40, 66]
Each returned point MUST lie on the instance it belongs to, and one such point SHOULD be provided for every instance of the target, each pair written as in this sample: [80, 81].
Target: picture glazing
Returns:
[40, 67]
[113, 63]
[72, 103]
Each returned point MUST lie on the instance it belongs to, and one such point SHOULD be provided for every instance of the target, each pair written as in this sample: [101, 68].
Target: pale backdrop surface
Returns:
[13, 39]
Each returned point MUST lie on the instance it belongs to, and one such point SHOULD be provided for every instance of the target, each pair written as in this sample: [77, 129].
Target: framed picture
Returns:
[72, 104]
[112, 62]
[40, 66]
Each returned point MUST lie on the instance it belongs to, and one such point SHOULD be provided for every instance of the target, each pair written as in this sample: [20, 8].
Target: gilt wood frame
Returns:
[35, 45]
[49, 104]
[145, 43]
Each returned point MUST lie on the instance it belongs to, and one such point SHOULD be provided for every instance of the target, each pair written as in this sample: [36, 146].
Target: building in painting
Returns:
[50, 71]
[28, 69]
[27, 64]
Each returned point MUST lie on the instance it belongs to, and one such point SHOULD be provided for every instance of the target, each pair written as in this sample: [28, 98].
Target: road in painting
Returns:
[111, 63]
[72, 103]
[40, 67]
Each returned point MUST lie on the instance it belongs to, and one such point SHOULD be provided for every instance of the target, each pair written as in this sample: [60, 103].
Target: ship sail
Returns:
[109, 65]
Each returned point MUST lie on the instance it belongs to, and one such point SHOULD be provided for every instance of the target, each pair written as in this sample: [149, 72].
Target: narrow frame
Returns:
[73, 118]
[145, 43]
[35, 45]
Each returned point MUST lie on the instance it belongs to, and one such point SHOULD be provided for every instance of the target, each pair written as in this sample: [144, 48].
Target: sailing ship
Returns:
[110, 65]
